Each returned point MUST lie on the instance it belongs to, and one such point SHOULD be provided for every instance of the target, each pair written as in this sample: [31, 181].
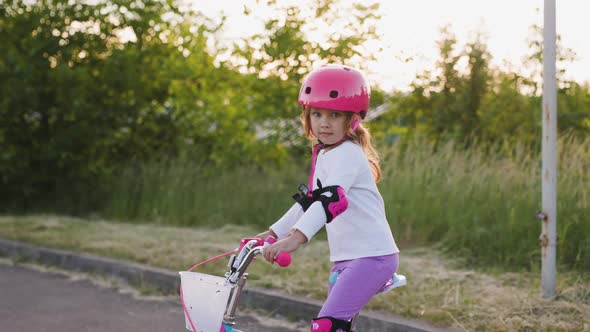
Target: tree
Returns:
[302, 36]
[445, 88]
[476, 85]
[84, 88]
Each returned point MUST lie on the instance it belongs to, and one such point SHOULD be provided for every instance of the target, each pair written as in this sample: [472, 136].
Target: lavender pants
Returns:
[354, 282]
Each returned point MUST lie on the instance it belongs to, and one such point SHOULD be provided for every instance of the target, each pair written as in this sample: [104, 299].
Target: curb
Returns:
[168, 281]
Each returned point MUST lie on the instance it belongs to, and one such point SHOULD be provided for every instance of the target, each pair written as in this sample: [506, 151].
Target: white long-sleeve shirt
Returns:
[360, 231]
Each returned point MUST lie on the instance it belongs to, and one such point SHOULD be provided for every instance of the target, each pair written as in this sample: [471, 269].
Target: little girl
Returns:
[342, 194]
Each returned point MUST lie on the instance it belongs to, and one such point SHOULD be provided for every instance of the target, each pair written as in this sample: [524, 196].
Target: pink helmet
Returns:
[336, 87]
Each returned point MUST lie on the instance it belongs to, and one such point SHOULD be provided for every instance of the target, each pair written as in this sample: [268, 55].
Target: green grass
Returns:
[182, 194]
[480, 205]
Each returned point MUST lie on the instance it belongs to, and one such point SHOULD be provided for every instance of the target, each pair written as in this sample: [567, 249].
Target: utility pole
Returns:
[548, 216]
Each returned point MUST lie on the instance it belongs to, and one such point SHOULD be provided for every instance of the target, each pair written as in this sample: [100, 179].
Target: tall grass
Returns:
[180, 193]
[480, 205]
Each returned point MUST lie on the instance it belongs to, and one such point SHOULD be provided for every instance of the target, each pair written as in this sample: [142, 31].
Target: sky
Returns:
[410, 30]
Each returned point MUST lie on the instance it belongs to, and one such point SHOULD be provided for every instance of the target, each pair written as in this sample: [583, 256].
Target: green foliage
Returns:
[125, 107]
[286, 49]
[87, 88]
[77, 99]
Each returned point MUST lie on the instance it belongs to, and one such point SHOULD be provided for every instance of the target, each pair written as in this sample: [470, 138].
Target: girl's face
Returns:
[328, 126]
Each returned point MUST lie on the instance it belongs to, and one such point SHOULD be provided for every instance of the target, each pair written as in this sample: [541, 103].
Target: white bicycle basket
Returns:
[205, 297]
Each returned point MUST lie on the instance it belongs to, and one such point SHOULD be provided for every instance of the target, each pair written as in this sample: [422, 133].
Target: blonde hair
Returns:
[360, 136]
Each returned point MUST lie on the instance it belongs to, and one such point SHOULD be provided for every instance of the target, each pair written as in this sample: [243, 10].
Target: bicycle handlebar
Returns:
[248, 250]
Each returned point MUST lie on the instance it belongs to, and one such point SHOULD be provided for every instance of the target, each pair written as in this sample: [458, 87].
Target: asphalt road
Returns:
[32, 299]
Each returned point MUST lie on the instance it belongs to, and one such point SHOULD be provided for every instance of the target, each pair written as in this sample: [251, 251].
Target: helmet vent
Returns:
[346, 68]
[333, 94]
[308, 90]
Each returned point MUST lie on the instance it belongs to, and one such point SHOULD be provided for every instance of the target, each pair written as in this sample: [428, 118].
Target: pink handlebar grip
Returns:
[284, 258]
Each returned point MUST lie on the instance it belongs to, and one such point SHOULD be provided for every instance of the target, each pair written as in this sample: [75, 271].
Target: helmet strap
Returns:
[355, 123]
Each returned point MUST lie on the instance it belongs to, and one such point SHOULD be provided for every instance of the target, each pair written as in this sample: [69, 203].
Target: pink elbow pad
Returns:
[334, 203]
[333, 199]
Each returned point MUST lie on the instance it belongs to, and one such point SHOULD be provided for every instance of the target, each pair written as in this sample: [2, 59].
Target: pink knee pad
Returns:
[329, 324]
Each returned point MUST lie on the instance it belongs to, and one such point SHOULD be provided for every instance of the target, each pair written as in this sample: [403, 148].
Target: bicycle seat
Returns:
[398, 280]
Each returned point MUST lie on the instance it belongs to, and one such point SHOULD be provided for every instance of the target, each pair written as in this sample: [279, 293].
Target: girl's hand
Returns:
[288, 244]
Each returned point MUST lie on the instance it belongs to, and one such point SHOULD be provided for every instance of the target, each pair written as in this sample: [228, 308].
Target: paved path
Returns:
[45, 301]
